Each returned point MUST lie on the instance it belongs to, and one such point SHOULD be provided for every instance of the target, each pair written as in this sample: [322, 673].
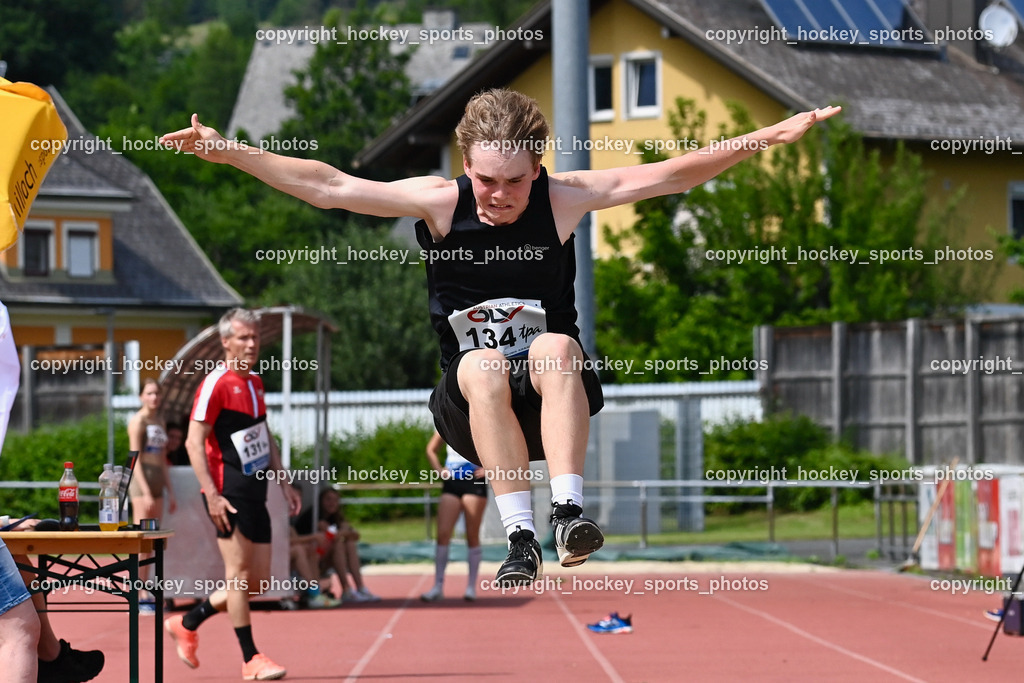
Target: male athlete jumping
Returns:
[515, 385]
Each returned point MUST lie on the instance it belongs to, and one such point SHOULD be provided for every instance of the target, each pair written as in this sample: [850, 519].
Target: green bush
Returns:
[39, 455]
[789, 442]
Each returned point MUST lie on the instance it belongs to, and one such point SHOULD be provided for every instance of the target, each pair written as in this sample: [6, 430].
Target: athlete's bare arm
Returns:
[429, 197]
[576, 193]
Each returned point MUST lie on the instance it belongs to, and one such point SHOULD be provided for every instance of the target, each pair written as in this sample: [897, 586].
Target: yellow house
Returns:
[101, 248]
[945, 102]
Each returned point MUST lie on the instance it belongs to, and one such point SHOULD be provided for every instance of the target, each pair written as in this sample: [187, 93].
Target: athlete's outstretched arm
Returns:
[578, 192]
[312, 181]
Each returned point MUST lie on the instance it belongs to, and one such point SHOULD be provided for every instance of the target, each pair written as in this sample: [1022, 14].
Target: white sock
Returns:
[440, 562]
[567, 488]
[516, 511]
[473, 555]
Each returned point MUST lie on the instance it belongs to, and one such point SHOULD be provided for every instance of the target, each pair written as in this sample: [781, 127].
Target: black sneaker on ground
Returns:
[71, 665]
[523, 564]
[576, 537]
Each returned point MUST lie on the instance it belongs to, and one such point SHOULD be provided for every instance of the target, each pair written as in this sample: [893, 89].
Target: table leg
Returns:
[158, 594]
[133, 618]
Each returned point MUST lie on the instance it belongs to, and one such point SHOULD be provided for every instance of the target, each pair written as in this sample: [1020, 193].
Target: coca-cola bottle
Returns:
[68, 499]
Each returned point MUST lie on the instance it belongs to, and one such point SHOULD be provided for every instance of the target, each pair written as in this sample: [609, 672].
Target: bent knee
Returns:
[555, 347]
[483, 374]
[555, 354]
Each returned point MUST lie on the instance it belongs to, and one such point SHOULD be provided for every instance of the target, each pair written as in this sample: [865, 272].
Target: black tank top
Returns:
[477, 262]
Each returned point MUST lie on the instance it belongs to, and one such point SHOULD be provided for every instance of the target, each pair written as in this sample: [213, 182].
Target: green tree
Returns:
[1013, 249]
[349, 92]
[46, 42]
[384, 338]
[346, 97]
[673, 301]
[162, 76]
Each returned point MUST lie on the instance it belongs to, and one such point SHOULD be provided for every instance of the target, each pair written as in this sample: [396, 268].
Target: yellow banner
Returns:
[27, 152]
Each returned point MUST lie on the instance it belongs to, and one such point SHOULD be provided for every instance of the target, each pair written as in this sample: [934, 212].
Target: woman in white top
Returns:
[147, 436]
[464, 489]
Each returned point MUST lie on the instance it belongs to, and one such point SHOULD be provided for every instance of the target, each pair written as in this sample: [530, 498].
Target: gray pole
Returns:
[110, 348]
[570, 23]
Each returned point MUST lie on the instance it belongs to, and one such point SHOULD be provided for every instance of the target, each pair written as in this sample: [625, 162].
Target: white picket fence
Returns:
[350, 412]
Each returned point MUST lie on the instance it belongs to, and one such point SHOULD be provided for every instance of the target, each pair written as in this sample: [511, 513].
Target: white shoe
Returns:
[434, 594]
[470, 594]
[364, 595]
[323, 601]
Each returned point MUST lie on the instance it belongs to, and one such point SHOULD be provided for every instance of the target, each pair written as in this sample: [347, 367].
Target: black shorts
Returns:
[252, 519]
[464, 487]
[451, 410]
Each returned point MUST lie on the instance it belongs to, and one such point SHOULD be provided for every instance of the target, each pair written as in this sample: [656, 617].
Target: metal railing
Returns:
[882, 495]
[888, 493]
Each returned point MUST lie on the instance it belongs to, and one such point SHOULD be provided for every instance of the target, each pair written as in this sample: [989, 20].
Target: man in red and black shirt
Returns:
[231, 449]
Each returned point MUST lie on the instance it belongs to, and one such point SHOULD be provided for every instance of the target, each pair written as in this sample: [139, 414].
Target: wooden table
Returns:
[68, 558]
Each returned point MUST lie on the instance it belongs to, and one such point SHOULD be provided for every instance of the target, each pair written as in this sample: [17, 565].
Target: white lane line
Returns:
[613, 675]
[926, 610]
[821, 641]
[385, 632]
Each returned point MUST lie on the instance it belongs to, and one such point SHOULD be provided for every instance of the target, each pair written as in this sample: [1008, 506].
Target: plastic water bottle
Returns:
[108, 500]
[67, 497]
[121, 480]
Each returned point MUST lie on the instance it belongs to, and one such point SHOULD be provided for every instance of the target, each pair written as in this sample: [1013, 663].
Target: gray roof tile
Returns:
[888, 93]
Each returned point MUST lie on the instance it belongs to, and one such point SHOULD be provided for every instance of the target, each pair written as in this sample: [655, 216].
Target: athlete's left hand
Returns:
[793, 128]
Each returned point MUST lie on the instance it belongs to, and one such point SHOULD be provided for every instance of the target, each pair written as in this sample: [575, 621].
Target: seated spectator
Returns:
[336, 546]
[58, 662]
[301, 551]
[177, 456]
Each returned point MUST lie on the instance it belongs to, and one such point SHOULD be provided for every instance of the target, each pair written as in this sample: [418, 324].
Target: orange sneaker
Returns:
[186, 641]
[260, 668]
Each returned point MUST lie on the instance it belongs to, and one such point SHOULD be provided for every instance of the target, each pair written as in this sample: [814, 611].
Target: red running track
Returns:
[786, 625]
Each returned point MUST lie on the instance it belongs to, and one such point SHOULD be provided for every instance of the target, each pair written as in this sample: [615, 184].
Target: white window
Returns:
[1016, 209]
[600, 88]
[81, 256]
[36, 248]
[642, 82]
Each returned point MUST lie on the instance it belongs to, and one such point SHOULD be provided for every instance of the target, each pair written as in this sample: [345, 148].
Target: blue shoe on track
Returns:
[613, 623]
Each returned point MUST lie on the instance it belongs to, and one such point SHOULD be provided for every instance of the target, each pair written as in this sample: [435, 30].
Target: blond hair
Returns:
[503, 119]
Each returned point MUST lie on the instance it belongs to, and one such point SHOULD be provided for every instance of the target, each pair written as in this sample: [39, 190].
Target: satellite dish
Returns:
[999, 23]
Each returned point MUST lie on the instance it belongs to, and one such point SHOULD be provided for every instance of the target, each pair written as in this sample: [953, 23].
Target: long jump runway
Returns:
[692, 622]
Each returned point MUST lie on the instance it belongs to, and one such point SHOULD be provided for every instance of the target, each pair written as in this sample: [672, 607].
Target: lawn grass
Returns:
[855, 521]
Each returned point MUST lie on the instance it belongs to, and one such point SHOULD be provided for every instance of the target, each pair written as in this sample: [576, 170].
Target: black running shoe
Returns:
[71, 665]
[576, 537]
[523, 564]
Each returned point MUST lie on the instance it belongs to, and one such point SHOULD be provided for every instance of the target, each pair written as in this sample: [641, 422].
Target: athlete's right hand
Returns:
[203, 141]
[219, 508]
